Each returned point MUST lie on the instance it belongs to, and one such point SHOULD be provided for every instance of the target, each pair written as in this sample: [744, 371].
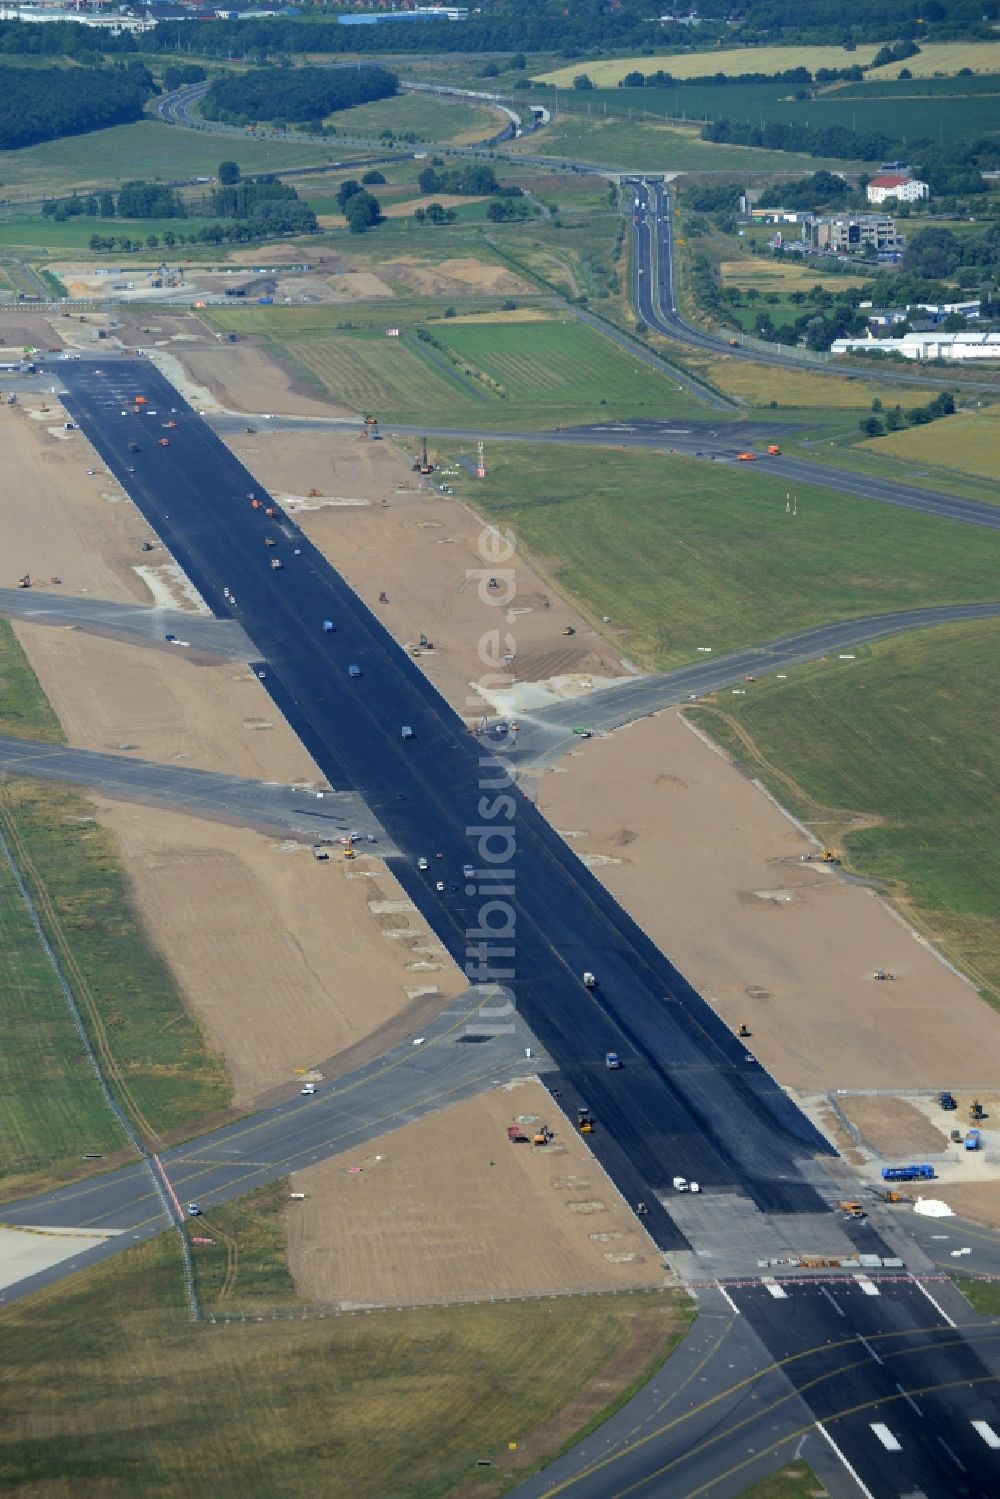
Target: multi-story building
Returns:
[851, 234]
[895, 185]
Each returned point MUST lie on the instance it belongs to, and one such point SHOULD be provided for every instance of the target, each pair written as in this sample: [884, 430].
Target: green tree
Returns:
[583, 81]
[372, 178]
[228, 173]
[345, 191]
[871, 426]
[361, 211]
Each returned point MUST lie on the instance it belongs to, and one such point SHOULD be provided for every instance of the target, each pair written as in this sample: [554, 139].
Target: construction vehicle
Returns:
[354, 670]
[976, 1110]
[255, 504]
[886, 1194]
[973, 1139]
[251, 431]
[569, 630]
[773, 451]
[133, 447]
[328, 627]
[881, 976]
[308, 1090]
[312, 494]
[371, 421]
[956, 1137]
[542, 1135]
[406, 732]
[584, 1120]
[743, 1031]
[147, 546]
[589, 981]
[745, 458]
[55, 580]
[852, 1210]
[269, 541]
[612, 1061]
[921, 1173]
[947, 1102]
[383, 598]
[164, 442]
[24, 582]
[140, 401]
[276, 564]
[168, 425]
[734, 343]
[270, 511]
[423, 464]
[516, 1135]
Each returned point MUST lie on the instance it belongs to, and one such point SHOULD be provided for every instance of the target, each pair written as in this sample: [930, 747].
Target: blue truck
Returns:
[922, 1173]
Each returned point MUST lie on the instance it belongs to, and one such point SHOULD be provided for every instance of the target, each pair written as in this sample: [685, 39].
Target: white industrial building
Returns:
[934, 344]
[894, 185]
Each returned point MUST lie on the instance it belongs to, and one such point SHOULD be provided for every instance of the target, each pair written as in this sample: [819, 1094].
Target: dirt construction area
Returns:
[447, 1210]
[287, 962]
[388, 532]
[712, 870]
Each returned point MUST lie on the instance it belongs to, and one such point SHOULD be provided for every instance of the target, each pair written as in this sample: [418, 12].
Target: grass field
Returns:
[908, 736]
[760, 384]
[680, 552]
[147, 148]
[453, 122]
[110, 1390]
[967, 443]
[536, 375]
[50, 1107]
[797, 1481]
[946, 57]
[984, 1295]
[31, 233]
[642, 145]
[764, 274]
[732, 61]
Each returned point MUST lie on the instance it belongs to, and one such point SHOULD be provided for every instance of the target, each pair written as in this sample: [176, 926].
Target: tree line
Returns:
[295, 94]
[40, 104]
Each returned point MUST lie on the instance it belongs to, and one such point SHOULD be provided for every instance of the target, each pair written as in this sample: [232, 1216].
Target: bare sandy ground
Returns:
[387, 532]
[711, 869]
[448, 1210]
[164, 706]
[55, 520]
[282, 958]
[895, 1127]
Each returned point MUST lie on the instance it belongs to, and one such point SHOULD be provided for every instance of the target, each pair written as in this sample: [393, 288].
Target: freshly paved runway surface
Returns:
[133, 622]
[548, 732]
[265, 805]
[690, 1099]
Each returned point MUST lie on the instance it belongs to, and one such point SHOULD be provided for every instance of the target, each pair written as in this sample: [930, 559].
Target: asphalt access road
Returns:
[549, 732]
[465, 1049]
[763, 1379]
[713, 441]
[267, 806]
[136, 622]
[689, 1099]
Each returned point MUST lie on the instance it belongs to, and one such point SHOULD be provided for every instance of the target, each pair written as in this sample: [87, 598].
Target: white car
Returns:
[422, 863]
[308, 1089]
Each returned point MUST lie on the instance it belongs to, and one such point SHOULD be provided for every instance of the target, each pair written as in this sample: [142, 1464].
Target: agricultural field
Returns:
[893, 758]
[759, 273]
[31, 234]
[946, 57]
[349, 1406]
[681, 552]
[900, 110]
[537, 374]
[968, 443]
[451, 122]
[732, 61]
[106, 157]
[50, 1107]
[642, 145]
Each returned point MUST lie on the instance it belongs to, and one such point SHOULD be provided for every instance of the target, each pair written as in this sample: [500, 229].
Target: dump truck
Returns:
[584, 1120]
[973, 1139]
[921, 1173]
[745, 458]
[354, 670]
[406, 732]
[612, 1061]
[773, 451]
[276, 564]
[589, 981]
[852, 1210]
[516, 1135]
